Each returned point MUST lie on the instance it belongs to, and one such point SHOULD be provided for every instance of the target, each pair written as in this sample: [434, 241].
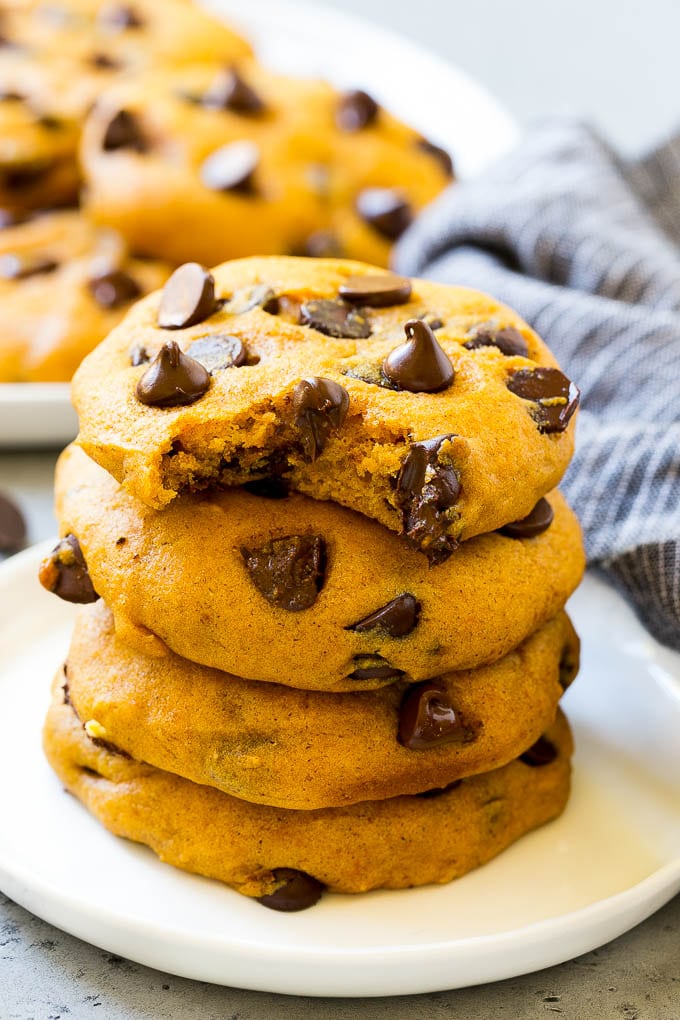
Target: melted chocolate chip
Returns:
[64, 572]
[555, 398]
[188, 297]
[386, 210]
[268, 488]
[427, 718]
[113, 289]
[376, 290]
[173, 379]
[509, 340]
[12, 526]
[438, 791]
[427, 488]
[374, 667]
[22, 267]
[538, 521]
[322, 244]
[229, 91]
[139, 355]
[543, 752]
[441, 155]
[320, 407]
[118, 17]
[397, 618]
[356, 110]
[231, 168]
[334, 318]
[289, 572]
[124, 132]
[297, 891]
[218, 352]
[419, 365]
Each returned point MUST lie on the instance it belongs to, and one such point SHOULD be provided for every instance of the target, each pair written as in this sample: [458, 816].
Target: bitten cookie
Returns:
[270, 744]
[433, 409]
[218, 162]
[64, 284]
[289, 857]
[300, 592]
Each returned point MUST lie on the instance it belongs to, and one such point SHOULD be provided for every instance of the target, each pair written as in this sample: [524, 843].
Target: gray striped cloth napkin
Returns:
[587, 248]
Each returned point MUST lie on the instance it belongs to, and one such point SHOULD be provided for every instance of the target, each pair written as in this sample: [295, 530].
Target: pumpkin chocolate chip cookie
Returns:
[389, 396]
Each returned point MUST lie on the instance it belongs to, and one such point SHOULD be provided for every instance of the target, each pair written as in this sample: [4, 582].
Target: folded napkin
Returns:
[587, 248]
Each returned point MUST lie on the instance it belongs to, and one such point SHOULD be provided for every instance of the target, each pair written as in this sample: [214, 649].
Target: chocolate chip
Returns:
[427, 718]
[509, 340]
[419, 365]
[538, 521]
[356, 110]
[320, 407]
[104, 62]
[231, 168]
[371, 373]
[268, 488]
[441, 155]
[427, 488]
[376, 290]
[289, 572]
[434, 323]
[22, 176]
[297, 891]
[172, 379]
[113, 289]
[386, 210]
[229, 91]
[322, 245]
[22, 267]
[188, 297]
[438, 791]
[569, 663]
[334, 318]
[12, 526]
[117, 18]
[139, 355]
[543, 752]
[218, 352]
[124, 132]
[50, 122]
[374, 667]
[555, 397]
[397, 618]
[261, 296]
[64, 572]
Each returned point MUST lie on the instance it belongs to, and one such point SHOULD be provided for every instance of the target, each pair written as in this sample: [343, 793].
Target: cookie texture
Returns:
[312, 397]
[304, 593]
[64, 284]
[395, 843]
[240, 161]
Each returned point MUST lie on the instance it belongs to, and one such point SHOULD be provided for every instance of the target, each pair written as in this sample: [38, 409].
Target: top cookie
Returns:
[433, 409]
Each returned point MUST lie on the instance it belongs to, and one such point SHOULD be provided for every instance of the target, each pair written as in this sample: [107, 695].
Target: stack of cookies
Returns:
[314, 507]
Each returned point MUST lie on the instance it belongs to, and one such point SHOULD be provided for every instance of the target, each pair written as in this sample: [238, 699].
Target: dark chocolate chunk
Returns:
[538, 521]
[320, 407]
[334, 318]
[386, 210]
[376, 290]
[12, 526]
[438, 791]
[435, 323]
[290, 571]
[397, 618]
[543, 752]
[427, 718]
[441, 155]
[118, 17]
[231, 168]
[569, 663]
[124, 132]
[22, 267]
[356, 110]
[509, 340]
[297, 891]
[104, 62]
[139, 355]
[555, 398]
[229, 91]
[173, 379]
[188, 297]
[420, 365]
[427, 487]
[64, 572]
[219, 351]
[374, 667]
[322, 244]
[113, 289]
[273, 487]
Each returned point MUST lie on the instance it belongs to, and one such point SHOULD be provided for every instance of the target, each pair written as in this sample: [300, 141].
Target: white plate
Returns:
[298, 38]
[610, 861]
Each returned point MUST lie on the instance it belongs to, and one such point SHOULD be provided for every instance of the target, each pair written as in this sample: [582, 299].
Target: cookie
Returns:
[64, 284]
[275, 745]
[261, 851]
[225, 161]
[56, 59]
[304, 593]
[432, 409]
